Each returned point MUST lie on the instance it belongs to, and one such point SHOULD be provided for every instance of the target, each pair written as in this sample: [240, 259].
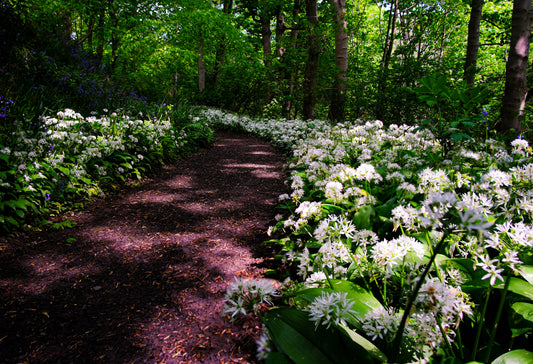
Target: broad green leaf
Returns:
[296, 336]
[524, 309]
[516, 285]
[520, 287]
[372, 349]
[526, 271]
[277, 358]
[22, 204]
[365, 301]
[310, 294]
[289, 330]
[64, 170]
[363, 218]
[521, 356]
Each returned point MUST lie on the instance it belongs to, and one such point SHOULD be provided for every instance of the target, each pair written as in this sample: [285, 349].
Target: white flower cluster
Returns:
[247, 295]
[355, 183]
[69, 143]
[330, 309]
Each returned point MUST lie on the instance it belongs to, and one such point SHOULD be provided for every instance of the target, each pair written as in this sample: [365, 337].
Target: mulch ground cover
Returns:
[142, 276]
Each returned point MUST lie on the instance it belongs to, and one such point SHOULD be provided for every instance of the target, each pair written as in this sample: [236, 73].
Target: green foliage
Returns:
[455, 110]
[70, 158]
[302, 342]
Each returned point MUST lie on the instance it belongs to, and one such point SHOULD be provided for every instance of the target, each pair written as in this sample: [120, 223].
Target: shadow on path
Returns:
[142, 277]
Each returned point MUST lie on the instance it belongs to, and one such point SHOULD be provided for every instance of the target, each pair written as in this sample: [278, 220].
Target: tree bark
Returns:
[336, 109]
[220, 56]
[291, 75]
[385, 60]
[201, 65]
[389, 41]
[473, 42]
[114, 36]
[515, 93]
[311, 67]
[101, 36]
[266, 36]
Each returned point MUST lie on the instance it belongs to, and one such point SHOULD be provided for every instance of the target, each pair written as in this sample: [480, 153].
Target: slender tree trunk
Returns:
[311, 67]
[385, 60]
[266, 36]
[515, 93]
[114, 36]
[228, 6]
[201, 65]
[291, 75]
[389, 41]
[101, 36]
[473, 42]
[281, 27]
[220, 55]
[266, 40]
[90, 31]
[336, 109]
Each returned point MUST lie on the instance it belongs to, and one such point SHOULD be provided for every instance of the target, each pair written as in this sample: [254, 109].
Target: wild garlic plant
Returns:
[245, 296]
[432, 253]
[69, 157]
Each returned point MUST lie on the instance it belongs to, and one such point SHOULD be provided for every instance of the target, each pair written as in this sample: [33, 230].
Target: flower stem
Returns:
[481, 324]
[445, 337]
[397, 342]
[460, 345]
[497, 318]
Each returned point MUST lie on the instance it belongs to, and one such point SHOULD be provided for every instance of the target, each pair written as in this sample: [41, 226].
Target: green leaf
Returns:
[372, 349]
[296, 336]
[64, 170]
[524, 309]
[516, 285]
[365, 301]
[521, 356]
[520, 287]
[526, 271]
[277, 358]
[363, 218]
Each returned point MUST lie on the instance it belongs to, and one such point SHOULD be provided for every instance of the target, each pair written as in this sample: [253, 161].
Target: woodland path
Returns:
[142, 277]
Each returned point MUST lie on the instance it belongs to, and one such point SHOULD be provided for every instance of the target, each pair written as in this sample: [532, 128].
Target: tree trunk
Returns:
[114, 36]
[90, 31]
[336, 109]
[291, 75]
[228, 6]
[266, 36]
[389, 41]
[515, 93]
[201, 65]
[101, 36]
[473, 42]
[220, 55]
[385, 60]
[311, 67]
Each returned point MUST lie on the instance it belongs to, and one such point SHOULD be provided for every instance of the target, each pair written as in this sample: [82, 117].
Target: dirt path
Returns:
[142, 277]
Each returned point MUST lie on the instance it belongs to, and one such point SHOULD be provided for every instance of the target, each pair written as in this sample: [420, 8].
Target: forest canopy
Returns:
[278, 58]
